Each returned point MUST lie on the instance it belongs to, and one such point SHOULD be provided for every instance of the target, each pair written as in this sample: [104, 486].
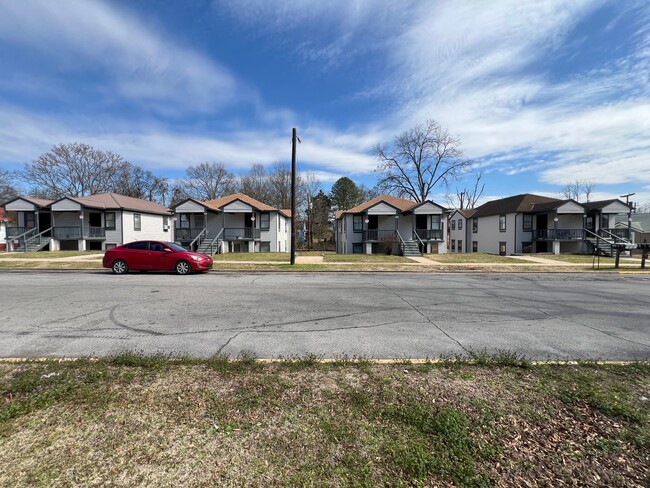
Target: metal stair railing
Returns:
[615, 237]
[24, 237]
[417, 236]
[38, 236]
[198, 238]
[592, 235]
[212, 242]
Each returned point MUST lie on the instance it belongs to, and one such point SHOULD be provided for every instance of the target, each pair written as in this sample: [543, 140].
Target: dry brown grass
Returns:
[206, 423]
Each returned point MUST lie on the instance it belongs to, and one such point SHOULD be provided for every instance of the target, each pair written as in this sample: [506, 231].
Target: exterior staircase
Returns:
[411, 249]
[36, 245]
[602, 244]
[209, 248]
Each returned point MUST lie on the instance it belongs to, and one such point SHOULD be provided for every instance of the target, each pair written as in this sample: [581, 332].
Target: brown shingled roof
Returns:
[116, 201]
[519, 203]
[401, 204]
[217, 203]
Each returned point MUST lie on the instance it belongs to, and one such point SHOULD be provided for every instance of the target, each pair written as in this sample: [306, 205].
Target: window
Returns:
[199, 219]
[185, 221]
[502, 248]
[357, 248]
[502, 223]
[165, 223]
[156, 247]
[30, 219]
[474, 225]
[138, 246]
[109, 220]
[527, 247]
[453, 225]
[460, 246]
[357, 223]
[265, 246]
[279, 226]
[604, 222]
[137, 222]
[110, 246]
[460, 224]
[453, 244]
[265, 223]
[474, 246]
[435, 222]
[528, 222]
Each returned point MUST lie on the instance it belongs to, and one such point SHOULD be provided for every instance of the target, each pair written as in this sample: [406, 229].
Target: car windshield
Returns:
[176, 247]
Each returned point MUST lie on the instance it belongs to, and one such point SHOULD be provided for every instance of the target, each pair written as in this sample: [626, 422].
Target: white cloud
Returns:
[92, 35]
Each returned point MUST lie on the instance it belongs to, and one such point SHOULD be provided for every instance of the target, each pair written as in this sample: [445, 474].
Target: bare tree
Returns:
[73, 170]
[467, 197]
[134, 181]
[576, 189]
[255, 184]
[643, 208]
[7, 188]
[312, 187]
[418, 160]
[207, 181]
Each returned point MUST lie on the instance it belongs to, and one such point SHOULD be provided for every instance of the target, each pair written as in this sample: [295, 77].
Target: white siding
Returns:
[20, 205]
[66, 205]
[237, 207]
[151, 227]
[189, 207]
[428, 208]
[382, 209]
[614, 208]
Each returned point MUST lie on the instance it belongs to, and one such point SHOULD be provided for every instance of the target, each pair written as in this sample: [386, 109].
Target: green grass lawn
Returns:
[155, 421]
[365, 258]
[253, 256]
[48, 254]
[474, 257]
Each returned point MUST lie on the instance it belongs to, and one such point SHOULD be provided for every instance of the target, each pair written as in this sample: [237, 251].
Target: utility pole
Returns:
[294, 139]
[629, 214]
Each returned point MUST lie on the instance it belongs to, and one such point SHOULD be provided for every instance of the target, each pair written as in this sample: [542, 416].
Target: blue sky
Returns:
[540, 92]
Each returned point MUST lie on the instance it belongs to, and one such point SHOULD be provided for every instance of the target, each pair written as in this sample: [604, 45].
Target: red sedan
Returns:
[155, 255]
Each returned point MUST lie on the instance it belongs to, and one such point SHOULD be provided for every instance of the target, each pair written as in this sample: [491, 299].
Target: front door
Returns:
[44, 222]
[421, 222]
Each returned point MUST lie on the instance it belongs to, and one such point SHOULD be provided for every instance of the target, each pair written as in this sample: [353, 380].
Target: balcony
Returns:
[621, 233]
[558, 234]
[241, 234]
[75, 232]
[187, 233]
[376, 235]
[429, 234]
[17, 231]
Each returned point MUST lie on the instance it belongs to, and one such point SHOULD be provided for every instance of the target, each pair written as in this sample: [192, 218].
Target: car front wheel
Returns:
[183, 268]
[120, 267]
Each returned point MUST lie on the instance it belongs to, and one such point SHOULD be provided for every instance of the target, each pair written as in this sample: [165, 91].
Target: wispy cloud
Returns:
[93, 36]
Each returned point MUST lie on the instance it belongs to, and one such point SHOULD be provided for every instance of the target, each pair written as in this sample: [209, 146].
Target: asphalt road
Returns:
[375, 315]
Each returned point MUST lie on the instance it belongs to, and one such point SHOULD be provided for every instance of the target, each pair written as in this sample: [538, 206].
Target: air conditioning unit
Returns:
[165, 227]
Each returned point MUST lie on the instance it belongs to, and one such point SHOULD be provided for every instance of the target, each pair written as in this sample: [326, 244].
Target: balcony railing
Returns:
[429, 234]
[623, 233]
[242, 233]
[187, 233]
[17, 231]
[379, 235]
[558, 234]
[63, 232]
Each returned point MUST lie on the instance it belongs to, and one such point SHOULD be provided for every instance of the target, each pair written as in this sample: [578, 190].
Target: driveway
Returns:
[376, 315]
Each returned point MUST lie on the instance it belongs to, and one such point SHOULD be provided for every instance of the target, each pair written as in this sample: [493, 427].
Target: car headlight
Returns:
[196, 258]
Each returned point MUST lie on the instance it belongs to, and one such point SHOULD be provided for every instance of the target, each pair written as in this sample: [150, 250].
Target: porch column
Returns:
[368, 247]
[556, 247]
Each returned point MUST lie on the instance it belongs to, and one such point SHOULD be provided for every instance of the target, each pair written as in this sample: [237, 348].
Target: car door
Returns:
[137, 255]
[161, 257]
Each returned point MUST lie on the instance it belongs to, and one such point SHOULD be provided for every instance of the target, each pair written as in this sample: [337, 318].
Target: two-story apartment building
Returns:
[96, 222]
[234, 223]
[530, 223]
[408, 227]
